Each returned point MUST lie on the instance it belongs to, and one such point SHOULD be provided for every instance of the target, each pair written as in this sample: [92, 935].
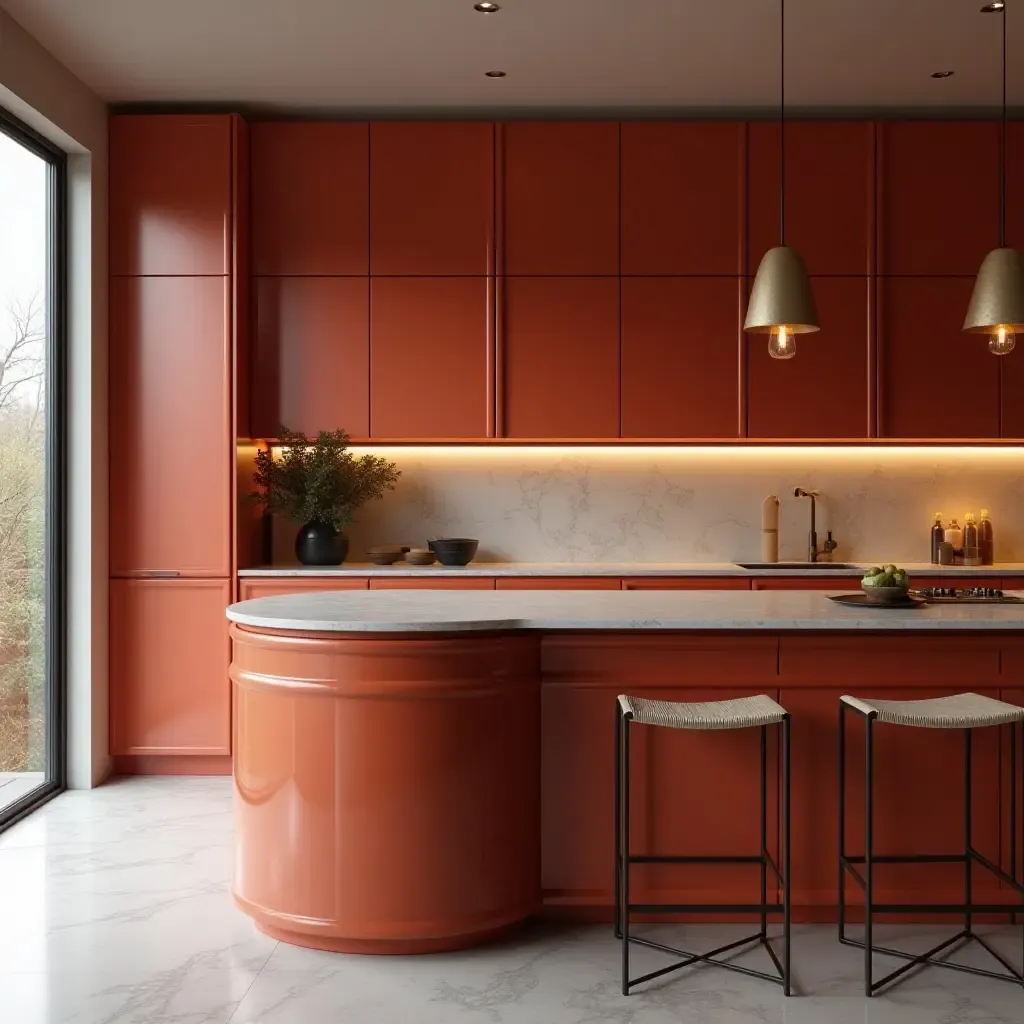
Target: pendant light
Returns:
[781, 301]
[997, 303]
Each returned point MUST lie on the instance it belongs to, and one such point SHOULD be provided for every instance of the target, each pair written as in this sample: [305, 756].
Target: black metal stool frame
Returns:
[623, 861]
[970, 857]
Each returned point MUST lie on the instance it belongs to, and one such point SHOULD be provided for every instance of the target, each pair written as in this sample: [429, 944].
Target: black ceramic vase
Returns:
[320, 544]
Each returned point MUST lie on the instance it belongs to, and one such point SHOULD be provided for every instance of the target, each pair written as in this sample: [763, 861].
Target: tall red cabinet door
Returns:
[939, 209]
[1015, 185]
[683, 197]
[169, 656]
[431, 197]
[934, 380]
[1011, 389]
[170, 194]
[171, 443]
[429, 357]
[830, 194]
[824, 390]
[310, 197]
[561, 358]
[312, 356]
[681, 357]
[561, 198]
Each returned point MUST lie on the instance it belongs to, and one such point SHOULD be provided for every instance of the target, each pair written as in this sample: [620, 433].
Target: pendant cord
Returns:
[1002, 149]
[782, 120]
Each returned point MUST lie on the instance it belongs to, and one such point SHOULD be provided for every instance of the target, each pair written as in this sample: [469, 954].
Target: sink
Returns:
[801, 566]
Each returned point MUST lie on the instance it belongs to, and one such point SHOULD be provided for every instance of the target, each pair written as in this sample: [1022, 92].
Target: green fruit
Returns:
[890, 569]
[869, 581]
[873, 571]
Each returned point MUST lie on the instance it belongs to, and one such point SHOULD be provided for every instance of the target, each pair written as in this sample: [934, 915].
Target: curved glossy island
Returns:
[419, 771]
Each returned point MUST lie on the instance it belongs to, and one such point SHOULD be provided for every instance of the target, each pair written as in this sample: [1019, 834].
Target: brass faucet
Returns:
[812, 539]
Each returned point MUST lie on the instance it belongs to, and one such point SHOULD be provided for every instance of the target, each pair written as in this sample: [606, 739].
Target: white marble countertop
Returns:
[384, 611]
[623, 569]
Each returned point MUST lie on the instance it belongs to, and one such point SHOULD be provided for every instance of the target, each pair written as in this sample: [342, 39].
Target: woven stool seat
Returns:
[742, 713]
[961, 711]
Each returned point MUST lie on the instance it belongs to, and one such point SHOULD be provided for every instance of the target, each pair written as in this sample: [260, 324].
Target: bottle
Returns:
[954, 536]
[972, 555]
[985, 539]
[938, 536]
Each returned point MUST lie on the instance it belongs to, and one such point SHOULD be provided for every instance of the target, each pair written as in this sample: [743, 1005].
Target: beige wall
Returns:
[44, 94]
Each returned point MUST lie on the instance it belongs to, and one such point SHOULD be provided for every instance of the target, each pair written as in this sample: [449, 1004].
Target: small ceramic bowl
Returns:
[887, 595]
[420, 556]
[384, 555]
[455, 550]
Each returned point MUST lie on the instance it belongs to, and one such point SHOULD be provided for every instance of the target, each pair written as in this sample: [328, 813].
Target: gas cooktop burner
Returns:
[967, 595]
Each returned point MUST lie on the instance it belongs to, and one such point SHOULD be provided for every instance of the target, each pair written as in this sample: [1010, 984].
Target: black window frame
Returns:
[55, 554]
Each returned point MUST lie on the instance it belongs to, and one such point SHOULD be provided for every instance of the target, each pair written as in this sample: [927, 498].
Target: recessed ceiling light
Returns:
[487, 8]
[495, 74]
[942, 74]
[993, 8]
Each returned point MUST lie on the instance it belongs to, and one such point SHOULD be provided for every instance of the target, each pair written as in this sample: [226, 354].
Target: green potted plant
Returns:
[320, 484]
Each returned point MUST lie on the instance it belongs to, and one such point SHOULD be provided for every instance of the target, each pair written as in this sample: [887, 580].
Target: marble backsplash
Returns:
[686, 504]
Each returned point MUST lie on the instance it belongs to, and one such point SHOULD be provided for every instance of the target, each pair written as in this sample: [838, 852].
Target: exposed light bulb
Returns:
[1001, 341]
[782, 343]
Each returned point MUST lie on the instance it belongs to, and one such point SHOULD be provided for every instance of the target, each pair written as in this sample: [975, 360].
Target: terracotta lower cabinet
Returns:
[684, 189]
[429, 357]
[172, 443]
[930, 166]
[557, 583]
[560, 355]
[169, 656]
[836, 583]
[276, 586]
[830, 166]
[431, 583]
[686, 583]
[311, 367]
[681, 357]
[310, 197]
[170, 194]
[560, 182]
[823, 392]
[934, 381]
[431, 197]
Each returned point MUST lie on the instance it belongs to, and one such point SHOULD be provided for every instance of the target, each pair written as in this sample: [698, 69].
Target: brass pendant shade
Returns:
[781, 295]
[998, 296]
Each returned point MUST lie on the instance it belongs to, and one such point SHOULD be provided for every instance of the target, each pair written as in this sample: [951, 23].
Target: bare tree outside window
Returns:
[23, 424]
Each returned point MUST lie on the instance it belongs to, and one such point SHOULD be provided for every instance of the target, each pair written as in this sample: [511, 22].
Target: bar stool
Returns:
[744, 713]
[965, 711]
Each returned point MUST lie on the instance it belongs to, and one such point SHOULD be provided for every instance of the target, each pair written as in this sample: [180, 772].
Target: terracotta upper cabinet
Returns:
[561, 198]
[830, 190]
[1015, 185]
[683, 197]
[1011, 388]
[934, 380]
[431, 198]
[939, 198]
[169, 656]
[561, 358]
[429, 357]
[824, 390]
[310, 197]
[681, 357]
[170, 194]
[170, 439]
[311, 367]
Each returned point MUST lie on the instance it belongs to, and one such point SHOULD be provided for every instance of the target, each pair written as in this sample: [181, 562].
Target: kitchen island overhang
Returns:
[420, 771]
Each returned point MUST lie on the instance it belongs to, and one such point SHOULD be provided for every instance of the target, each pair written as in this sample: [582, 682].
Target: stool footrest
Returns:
[706, 859]
[713, 908]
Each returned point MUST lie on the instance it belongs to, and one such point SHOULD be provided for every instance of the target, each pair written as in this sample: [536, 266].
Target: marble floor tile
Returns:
[115, 908]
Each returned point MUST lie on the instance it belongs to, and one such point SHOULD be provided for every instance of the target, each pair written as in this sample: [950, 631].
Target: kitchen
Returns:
[483, 415]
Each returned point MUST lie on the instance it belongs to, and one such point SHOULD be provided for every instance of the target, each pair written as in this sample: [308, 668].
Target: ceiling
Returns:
[863, 56]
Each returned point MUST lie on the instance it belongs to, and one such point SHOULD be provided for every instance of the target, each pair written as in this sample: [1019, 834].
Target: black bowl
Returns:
[454, 550]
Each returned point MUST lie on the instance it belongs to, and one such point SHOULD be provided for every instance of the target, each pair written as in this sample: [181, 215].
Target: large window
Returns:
[32, 731]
